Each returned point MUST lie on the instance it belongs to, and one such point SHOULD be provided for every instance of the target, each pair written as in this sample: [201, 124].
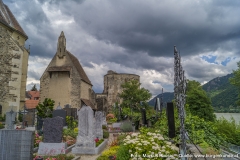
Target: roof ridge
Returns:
[9, 19]
[79, 68]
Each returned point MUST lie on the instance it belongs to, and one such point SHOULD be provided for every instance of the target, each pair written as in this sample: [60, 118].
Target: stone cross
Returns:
[52, 130]
[10, 119]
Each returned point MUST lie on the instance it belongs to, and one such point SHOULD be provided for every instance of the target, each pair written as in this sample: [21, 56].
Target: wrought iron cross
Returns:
[179, 96]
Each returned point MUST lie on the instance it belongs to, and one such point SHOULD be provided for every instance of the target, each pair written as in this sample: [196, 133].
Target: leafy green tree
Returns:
[45, 109]
[235, 80]
[134, 99]
[197, 101]
[133, 96]
[34, 88]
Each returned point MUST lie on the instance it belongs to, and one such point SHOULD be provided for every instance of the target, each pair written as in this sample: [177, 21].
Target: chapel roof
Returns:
[8, 19]
[88, 103]
[79, 68]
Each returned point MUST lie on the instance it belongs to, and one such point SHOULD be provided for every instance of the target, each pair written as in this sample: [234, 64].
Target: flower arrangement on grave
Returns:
[99, 142]
[37, 140]
[58, 157]
[111, 118]
[69, 136]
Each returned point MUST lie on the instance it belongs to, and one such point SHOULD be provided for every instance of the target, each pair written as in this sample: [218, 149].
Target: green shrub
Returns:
[3, 118]
[105, 134]
[122, 153]
[104, 127]
[1, 126]
[126, 127]
[112, 120]
[69, 132]
[120, 138]
[109, 152]
[71, 122]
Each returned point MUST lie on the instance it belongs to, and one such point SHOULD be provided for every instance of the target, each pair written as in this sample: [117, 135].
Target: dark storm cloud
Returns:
[138, 35]
[153, 27]
[36, 25]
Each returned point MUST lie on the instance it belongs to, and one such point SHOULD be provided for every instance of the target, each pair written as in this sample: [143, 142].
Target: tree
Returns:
[134, 96]
[235, 80]
[45, 109]
[197, 101]
[34, 88]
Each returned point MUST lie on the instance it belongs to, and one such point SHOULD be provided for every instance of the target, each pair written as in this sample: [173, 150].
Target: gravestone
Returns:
[52, 130]
[67, 106]
[10, 119]
[85, 141]
[171, 122]
[104, 121]
[98, 125]
[144, 117]
[60, 113]
[71, 112]
[39, 123]
[16, 144]
[52, 137]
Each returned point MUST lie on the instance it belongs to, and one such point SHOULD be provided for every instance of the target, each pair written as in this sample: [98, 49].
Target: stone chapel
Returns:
[13, 62]
[65, 81]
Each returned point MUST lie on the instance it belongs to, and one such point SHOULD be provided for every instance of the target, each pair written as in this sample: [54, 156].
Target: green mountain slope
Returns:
[223, 95]
[167, 97]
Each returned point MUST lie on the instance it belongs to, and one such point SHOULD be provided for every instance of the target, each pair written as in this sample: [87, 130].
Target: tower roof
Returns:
[8, 19]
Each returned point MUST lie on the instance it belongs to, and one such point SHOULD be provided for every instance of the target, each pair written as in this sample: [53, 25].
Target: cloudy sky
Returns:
[134, 36]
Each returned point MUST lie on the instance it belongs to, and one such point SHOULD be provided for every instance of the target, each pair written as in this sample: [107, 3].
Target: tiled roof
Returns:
[79, 68]
[34, 94]
[31, 104]
[7, 18]
[88, 103]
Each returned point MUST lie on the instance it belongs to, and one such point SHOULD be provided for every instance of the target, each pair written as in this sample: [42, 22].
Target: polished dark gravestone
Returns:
[144, 117]
[60, 113]
[171, 122]
[71, 112]
[52, 130]
[16, 144]
[52, 137]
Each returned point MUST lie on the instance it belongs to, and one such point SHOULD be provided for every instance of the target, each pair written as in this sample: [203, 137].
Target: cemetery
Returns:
[131, 130]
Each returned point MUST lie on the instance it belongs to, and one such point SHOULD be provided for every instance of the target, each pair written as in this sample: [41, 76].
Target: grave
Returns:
[16, 144]
[59, 112]
[104, 121]
[71, 112]
[10, 119]
[85, 141]
[52, 137]
[39, 123]
[98, 125]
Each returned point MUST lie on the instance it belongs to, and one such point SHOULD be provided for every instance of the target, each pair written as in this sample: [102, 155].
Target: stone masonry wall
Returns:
[68, 88]
[112, 86]
[11, 54]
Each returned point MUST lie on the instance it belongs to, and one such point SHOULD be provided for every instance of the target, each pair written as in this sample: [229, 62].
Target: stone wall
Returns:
[13, 62]
[112, 85]
[63, 87]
